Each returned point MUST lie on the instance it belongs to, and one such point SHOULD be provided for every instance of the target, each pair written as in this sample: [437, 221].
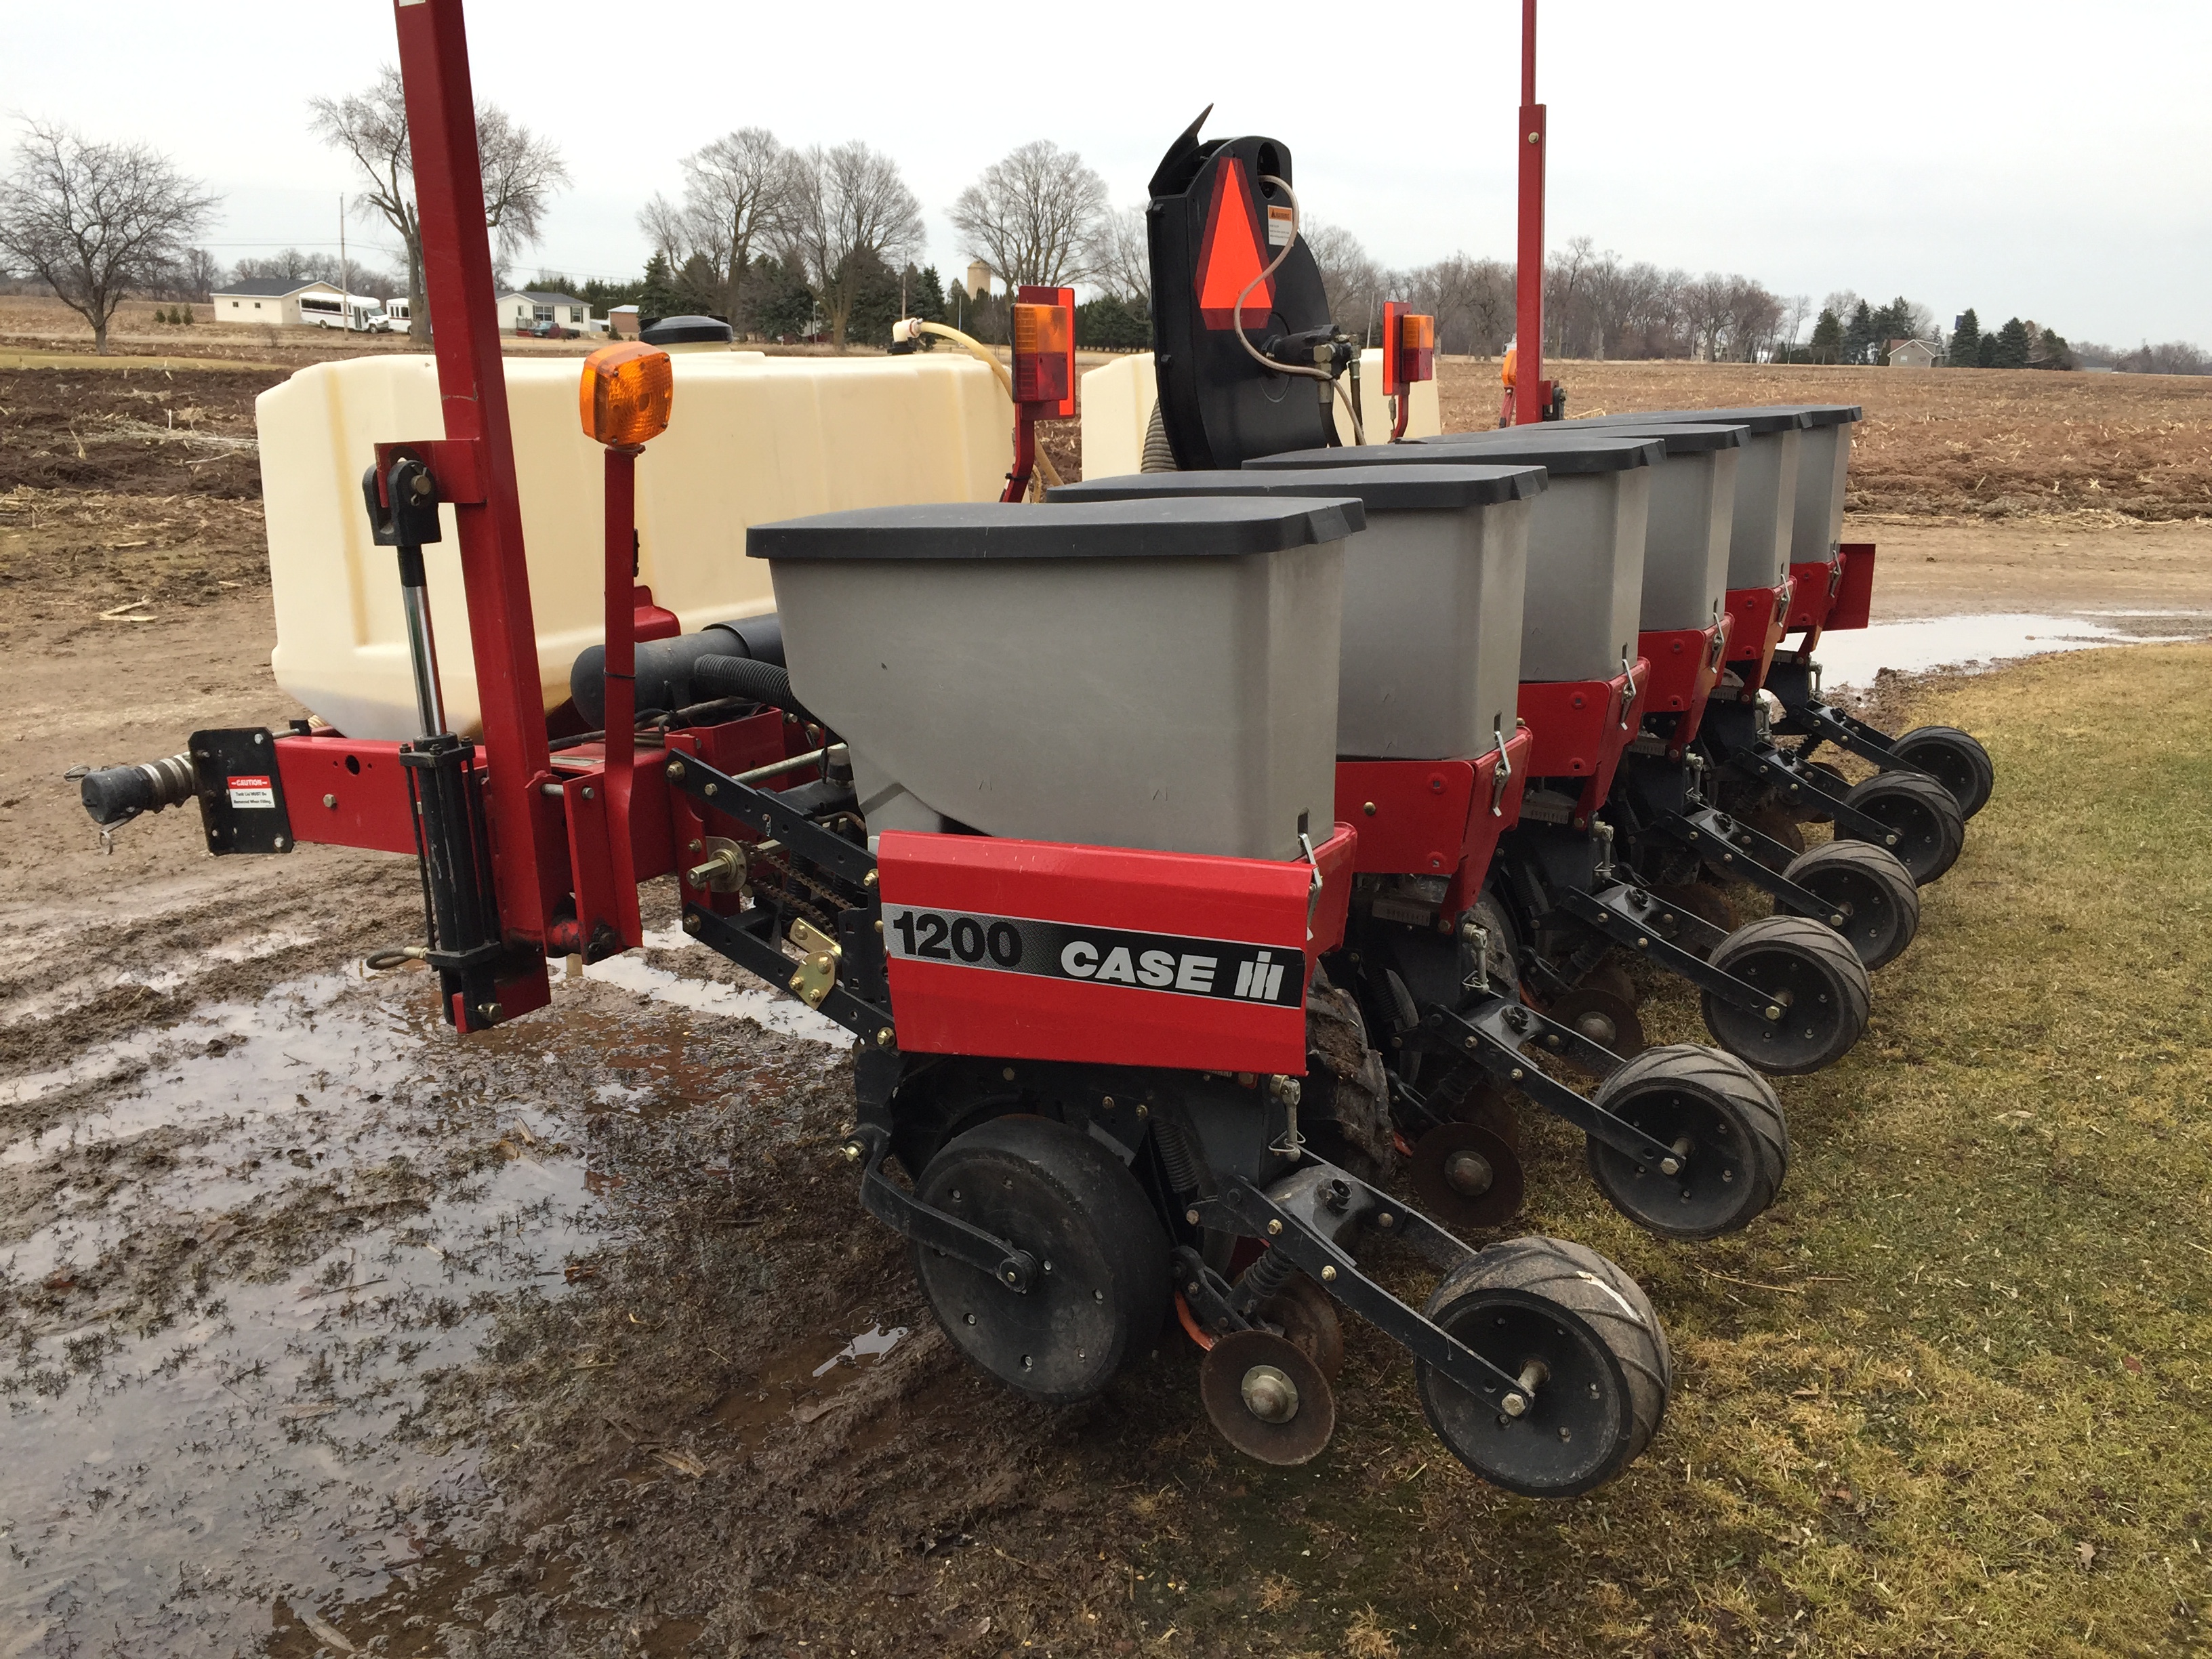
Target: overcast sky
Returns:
[2032, 159]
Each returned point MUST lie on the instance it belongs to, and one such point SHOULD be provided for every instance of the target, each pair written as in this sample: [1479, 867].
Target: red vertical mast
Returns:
[1530, 393]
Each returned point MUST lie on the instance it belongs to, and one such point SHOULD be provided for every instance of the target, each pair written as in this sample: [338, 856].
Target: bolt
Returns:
[1143, 1110]
[1517, 1074]
[710, 788]
[690, 924]
[490, 1012]
[884, 1037]
[329, 800]
[1269, 1394]
[1328, 1275]
[1007, 1073]
[868, 880]
[1191, 1215]
[1513, 1404]
[695, 847]
[1773, 1011]
[852, 1149]
[1106, 1102]
[675, 774]
[1386, 1220]
[1369, 809]
[587, 793]
[1836, 919]
[1274, 1228]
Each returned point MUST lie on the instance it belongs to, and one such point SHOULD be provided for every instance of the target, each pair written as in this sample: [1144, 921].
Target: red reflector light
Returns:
[1044, 348]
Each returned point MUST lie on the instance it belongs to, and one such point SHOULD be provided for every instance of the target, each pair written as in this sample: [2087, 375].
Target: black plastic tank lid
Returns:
[1761, 418]
[1562, 454]
[1406, 489]
[1172, 528]
[1681, 437]
[686, 330]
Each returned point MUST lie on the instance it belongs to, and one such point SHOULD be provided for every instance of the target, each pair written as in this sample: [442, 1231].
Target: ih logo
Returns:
[1269, 975]
[1228, 254]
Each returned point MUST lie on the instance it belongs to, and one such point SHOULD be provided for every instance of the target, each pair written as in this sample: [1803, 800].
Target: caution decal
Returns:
[251, 792]
[1171, 964]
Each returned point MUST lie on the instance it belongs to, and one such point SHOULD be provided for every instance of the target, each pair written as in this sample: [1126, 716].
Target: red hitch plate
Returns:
[1043, 951]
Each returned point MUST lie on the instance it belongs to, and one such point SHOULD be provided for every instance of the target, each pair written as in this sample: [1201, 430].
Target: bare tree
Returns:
[1351, 278]
[1472, 300]
[1794, 317]
[1033, 216]
[1120, 256]
[521, 173]
[95, 221]
[846, 205]
[736, 194]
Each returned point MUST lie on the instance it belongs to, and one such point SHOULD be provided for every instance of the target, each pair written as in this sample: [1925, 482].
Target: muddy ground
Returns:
[321, 1329]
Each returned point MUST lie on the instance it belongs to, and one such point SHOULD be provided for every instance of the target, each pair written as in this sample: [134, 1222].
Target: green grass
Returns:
[1948, 1397]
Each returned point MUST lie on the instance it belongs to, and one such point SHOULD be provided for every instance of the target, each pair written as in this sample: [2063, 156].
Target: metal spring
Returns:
[1264, 1278]
[1175, 1155]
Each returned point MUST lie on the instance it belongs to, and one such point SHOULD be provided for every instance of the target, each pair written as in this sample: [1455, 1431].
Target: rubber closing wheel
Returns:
[1581, 1336]
[1269, 1400]
[1102, 1283]
[1820, 996]
[1725, 1125]
[1872, 901]
[1954, 759]
[1467, 1176]
[1920, 812]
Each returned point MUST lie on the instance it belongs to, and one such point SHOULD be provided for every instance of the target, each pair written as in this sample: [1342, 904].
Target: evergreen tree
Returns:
[1827, 343]
[925, 294]
[1985, 355]
[1110, 323]
[1859, 340]
[1893, 322]
[875, 300]
[779, 305]
[2011, 345]
[656, 297]
[1966, 340]
[2049, 349]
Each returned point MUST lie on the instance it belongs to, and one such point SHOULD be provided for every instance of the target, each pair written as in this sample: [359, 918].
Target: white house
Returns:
[1912, 353]
[287, 302]
[521, 309]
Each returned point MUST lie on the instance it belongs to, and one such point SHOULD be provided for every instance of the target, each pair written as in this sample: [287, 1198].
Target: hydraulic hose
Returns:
[664, 667]
[977, 349]
[743, 676]
[1305, 371]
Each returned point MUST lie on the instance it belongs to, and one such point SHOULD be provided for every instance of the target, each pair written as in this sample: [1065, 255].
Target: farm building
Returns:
[1912, 353]
[525, 307]
[287, 302]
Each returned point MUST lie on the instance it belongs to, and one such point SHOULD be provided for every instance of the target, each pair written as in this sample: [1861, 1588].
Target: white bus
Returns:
[356, 311]
[396, 315]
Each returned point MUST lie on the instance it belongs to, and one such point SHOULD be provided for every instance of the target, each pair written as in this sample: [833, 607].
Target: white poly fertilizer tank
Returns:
[1116, 406]
[752, 438]
[1156, 674]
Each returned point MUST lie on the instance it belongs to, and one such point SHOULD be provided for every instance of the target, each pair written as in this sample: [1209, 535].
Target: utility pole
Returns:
[345, 270]
[1530, 393]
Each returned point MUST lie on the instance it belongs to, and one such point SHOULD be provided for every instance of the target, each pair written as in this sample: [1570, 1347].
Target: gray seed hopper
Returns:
[1432, 595]
[1152, 674]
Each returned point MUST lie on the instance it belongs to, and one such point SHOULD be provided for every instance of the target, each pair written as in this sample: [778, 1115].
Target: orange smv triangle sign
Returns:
[1229, 255]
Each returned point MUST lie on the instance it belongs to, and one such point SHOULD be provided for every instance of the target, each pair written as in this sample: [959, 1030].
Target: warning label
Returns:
[1282, 225]
[249, 792]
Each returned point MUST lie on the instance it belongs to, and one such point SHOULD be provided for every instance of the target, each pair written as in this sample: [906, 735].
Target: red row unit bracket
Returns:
[1583, 727]
[1686, 665]
[1758, 618]
[1049, 952]
[1434, 818]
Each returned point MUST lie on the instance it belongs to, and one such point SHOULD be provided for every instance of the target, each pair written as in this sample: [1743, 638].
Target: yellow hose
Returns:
[978, 350]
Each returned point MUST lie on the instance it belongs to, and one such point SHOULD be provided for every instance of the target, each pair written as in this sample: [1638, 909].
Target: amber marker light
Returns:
[627, 391]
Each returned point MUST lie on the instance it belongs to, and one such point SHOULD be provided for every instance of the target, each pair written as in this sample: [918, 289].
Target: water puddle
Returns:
[772, 1009]
[251, 1242]
[1855, 657]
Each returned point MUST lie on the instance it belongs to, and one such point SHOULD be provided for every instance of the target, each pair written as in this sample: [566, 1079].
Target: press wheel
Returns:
[1812, 974]
[1466, 1176]
[1726, 1127]
[1309, 1323]
[1102, 1286]
[1954, 759]
[1268, 1398]
[1920, 812]
[1581, 1333]
[1871, 898]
